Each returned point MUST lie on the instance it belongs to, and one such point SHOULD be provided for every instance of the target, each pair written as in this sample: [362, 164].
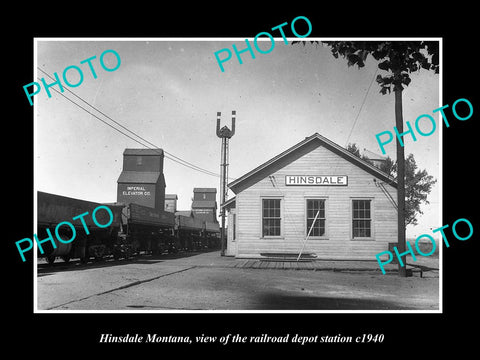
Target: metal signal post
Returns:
[225, 134]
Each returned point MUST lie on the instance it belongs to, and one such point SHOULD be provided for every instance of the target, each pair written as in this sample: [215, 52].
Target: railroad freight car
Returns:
[189, 231]
[155, 231]
[89, 239]
[134, 229]
[212, 235]
[148, 229]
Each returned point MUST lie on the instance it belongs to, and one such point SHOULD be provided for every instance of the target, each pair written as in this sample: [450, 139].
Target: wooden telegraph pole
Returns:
[402, 270]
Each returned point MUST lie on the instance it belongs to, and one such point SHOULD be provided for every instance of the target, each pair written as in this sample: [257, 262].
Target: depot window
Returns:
[271, 217]
[362, 218]
[316, 217]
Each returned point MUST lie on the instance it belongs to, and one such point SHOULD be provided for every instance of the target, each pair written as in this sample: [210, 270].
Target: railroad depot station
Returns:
[315, 198]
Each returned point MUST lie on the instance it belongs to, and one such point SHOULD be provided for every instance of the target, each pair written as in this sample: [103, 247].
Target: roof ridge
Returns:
[348, 155]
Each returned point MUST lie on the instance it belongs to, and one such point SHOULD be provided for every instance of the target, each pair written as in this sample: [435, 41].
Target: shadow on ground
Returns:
[277, 301]
[44, 269]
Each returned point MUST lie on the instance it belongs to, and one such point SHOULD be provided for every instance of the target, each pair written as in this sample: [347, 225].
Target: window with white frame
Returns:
[361, 218]
[316, 217]
[271, 217]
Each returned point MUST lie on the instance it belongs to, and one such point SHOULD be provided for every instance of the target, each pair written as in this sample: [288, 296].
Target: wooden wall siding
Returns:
[338, 243]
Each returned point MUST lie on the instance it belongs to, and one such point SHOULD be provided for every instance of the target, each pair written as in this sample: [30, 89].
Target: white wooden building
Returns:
[316, 198]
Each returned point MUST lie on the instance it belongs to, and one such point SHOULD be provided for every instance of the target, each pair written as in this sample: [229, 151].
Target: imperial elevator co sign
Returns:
[316, 180]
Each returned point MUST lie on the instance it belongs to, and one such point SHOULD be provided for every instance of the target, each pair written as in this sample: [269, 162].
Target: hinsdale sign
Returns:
[316, 180]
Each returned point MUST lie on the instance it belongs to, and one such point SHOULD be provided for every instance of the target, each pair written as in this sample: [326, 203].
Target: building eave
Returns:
[237, 184]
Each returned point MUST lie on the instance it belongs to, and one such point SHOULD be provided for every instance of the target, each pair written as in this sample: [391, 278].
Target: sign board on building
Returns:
[135, 190]
[316, 180]
[203, 211]
[142, 194]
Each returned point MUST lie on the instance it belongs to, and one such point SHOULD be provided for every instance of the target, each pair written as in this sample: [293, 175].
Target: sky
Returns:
[169, 91]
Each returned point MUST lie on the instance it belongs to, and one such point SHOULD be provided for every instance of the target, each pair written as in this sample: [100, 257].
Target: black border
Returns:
[408, 333]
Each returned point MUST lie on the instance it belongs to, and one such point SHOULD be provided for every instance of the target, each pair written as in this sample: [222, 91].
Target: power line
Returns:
[167, 154]
[130, 131]
[361, 107]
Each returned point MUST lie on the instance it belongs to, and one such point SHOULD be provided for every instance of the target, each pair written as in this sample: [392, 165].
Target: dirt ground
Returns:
[206, 281]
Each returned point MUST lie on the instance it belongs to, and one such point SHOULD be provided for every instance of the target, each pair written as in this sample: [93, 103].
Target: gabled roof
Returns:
[143, 152]
[205, 190]
[187, 213]
[204, 204]
[304, 147]
[373, 156]
[230, 203]
[141, 177]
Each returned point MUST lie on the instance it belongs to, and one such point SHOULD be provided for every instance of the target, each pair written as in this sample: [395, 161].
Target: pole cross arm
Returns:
[225, 132]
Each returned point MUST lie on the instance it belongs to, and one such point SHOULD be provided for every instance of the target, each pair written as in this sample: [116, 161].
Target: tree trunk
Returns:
[401, 246]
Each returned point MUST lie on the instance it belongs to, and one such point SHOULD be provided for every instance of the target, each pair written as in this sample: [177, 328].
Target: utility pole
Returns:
[225, 134]
[402, 270]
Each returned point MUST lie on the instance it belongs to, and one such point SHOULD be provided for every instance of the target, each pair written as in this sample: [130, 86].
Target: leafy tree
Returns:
[389, 166]
[353, 148]
[398, 58]
[418, 183]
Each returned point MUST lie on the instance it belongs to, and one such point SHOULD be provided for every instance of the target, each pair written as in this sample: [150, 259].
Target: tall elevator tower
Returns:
[225, 134]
